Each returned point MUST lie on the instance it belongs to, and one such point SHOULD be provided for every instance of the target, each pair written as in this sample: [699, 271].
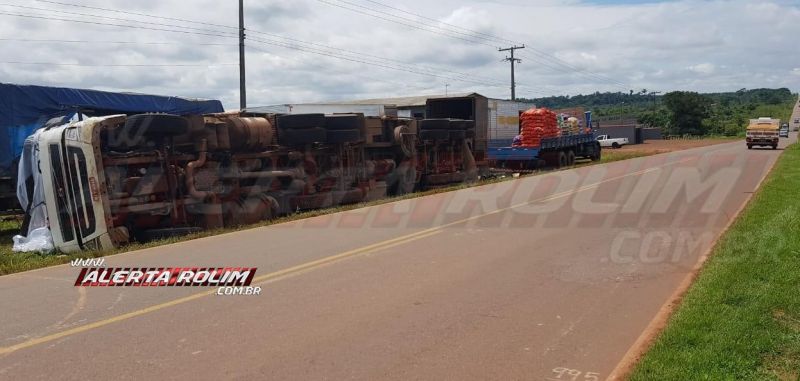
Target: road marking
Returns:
[299, 269]
[263, 279]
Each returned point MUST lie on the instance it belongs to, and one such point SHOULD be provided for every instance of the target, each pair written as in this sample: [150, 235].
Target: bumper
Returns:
[762, 141]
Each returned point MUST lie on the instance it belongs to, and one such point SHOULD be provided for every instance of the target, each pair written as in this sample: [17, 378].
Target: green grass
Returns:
[11, 262]
[612, 156]
[741, 318]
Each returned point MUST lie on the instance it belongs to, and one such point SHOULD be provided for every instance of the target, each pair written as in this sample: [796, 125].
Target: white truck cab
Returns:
[73, 191]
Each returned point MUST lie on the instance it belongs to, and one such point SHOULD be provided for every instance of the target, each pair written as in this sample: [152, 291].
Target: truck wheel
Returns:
[457, 134]
[304, 136]
[343, 136]
[434, 135]
[615, 145]
[774, 146]
[596, 155]
[570, 158]
[562, 160]
[749, 146]
[403, 179]
[405, 140]
[434, 124]
[155, 125]
[343, 122]
[301, 121]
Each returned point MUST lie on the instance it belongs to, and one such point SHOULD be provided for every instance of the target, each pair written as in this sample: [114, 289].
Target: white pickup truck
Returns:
[607, 141]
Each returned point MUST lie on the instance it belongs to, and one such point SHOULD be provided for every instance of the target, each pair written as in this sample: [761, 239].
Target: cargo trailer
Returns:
[110, 180]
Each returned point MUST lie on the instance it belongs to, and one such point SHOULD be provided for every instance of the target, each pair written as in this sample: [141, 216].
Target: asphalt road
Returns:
[551, 277]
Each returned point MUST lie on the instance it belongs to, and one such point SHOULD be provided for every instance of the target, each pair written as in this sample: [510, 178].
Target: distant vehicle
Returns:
[796, 124]
[607, 141]
[763, 132]
[784, 132]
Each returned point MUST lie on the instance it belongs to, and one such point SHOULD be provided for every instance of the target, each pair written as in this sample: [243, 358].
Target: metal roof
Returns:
[418, 100]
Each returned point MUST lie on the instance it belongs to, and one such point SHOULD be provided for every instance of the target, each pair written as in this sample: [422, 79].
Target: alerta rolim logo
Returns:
[230, 280]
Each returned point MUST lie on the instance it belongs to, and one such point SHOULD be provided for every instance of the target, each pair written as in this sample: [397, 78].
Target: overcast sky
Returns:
[571, 47]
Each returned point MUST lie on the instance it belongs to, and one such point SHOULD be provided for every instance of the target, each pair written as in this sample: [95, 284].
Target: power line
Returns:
[115, 18]
[550, 57]
[116, 25]
[447, 33]
[115, 42]
[470, 35]
[137, 14]
[372, 63]
[477, 33]
[113, 65]
[398, 22]
[393, 62]
[360, 74]
[361, 54]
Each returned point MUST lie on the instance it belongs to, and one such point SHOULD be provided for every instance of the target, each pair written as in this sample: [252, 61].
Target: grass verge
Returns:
[741, 318]
[11, 262]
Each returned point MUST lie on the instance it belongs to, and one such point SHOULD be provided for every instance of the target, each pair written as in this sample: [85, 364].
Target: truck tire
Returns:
[343, 136]
[570, 158]
[434, 134]
[598, 152]
[403, 179]
[405, 140]
[615, 145]
[155, 125]
[774, 146]
[302, 136]
[457, 135]
[562, 160]
[343, 122]
[301, 121]
[434, 124]
[749, 146]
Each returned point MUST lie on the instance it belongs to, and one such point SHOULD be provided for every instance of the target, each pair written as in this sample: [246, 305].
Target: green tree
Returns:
[686, 112]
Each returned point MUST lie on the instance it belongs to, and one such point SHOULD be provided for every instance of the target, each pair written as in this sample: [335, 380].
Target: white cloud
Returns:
[650, 46]
[703, 68]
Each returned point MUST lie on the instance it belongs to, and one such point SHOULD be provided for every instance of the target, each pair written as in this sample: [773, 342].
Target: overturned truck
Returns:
[110, 180]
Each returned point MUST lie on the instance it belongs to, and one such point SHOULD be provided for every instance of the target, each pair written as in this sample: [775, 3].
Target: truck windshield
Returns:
[72, 192]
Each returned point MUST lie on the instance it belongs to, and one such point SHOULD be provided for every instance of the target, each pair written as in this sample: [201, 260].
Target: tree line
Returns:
[684, 112]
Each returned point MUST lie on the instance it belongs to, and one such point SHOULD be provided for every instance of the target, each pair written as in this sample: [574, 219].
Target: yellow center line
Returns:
[295, 270]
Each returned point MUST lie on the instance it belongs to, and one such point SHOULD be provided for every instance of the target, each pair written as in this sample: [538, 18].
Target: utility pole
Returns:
[446, 85]
[513, 61]
[654, 94]
[242, 89]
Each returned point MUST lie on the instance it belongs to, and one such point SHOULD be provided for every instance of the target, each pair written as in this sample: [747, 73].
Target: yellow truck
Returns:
[763, 132]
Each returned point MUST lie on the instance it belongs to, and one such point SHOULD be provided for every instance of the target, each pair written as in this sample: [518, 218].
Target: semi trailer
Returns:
[110, 180]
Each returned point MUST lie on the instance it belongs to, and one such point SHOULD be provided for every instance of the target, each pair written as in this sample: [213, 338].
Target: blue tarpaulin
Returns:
[24, 108]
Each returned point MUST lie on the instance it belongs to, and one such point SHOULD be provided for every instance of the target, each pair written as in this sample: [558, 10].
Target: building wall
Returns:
[503, 121]
[652, 134]
[619, 132]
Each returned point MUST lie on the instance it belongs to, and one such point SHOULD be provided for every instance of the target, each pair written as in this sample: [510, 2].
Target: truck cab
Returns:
[68, 157]
[762, 132]
[608, 141]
